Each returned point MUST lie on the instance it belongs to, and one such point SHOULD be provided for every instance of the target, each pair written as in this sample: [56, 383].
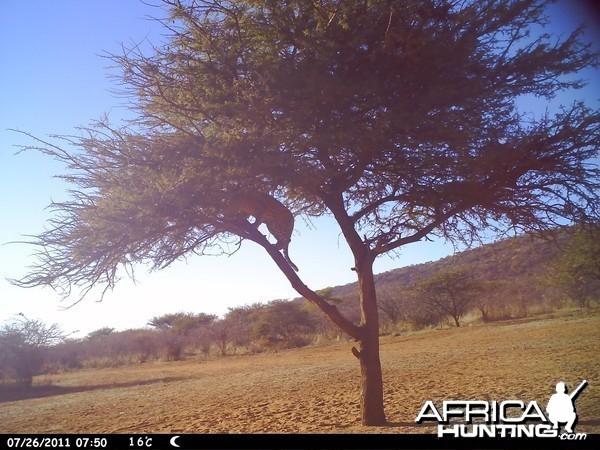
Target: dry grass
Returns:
[315, 390]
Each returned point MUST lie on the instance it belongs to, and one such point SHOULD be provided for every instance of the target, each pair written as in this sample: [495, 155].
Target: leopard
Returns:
[270, 211]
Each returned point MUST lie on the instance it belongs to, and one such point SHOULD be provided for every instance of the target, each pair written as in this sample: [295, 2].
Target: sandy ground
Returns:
[315, 390]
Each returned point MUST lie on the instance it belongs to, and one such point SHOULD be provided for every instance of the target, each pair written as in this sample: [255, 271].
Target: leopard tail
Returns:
[287, 258]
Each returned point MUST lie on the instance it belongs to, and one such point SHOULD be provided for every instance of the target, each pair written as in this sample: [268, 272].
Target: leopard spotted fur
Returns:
[270, 211]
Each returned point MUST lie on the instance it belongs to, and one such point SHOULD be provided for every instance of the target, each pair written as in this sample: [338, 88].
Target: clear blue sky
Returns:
[53, 79]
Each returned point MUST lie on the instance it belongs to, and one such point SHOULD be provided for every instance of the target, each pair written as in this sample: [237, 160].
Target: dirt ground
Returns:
[315, 390]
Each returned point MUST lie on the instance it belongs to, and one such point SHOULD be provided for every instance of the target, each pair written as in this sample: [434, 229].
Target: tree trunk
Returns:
[484, 314]
[371, 382]
[368, 355]
[367, 333]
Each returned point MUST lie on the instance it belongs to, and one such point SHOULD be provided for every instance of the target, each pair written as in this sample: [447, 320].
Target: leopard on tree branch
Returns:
[268, 210]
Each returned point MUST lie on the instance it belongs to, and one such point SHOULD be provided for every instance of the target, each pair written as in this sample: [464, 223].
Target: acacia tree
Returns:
[392, 302]
[396, 118]
[282, 320]
[488, 295]
[24, 345]
[449, 293]
[577, 268]
[181, 322]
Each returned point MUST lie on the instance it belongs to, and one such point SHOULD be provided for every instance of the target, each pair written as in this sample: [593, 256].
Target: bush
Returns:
[24, 346]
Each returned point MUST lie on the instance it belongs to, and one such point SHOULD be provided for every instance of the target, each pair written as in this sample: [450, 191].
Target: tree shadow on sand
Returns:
[15, 392]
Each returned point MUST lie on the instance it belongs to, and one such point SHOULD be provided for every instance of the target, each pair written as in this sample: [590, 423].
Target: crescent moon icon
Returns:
[173, 441]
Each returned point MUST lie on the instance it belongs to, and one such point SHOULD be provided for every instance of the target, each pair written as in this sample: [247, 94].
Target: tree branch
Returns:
[330, 310]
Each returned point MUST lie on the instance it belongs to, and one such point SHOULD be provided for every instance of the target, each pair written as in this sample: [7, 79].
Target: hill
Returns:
[503, 280]
[512, 258]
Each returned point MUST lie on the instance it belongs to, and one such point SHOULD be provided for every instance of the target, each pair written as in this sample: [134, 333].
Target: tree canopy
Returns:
[403, 114]
[448, 293]
[399, 119]
[22, 345]
[577, 268]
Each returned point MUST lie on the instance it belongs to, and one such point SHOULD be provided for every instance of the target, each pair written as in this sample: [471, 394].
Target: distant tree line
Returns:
[28, 347]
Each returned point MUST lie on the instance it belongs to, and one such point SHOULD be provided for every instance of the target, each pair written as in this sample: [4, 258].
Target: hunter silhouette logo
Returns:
[509, 418]
[561, 408]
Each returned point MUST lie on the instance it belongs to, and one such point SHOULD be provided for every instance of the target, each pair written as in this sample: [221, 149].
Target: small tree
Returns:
[523, 292]
[221, 334]
[23, 347]
[487, 298]
[392, 302]
[283, 321]
[420, 316]
[577, 268]
[181, 329]
[240, 320]
[449, 292]
[397, 119]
